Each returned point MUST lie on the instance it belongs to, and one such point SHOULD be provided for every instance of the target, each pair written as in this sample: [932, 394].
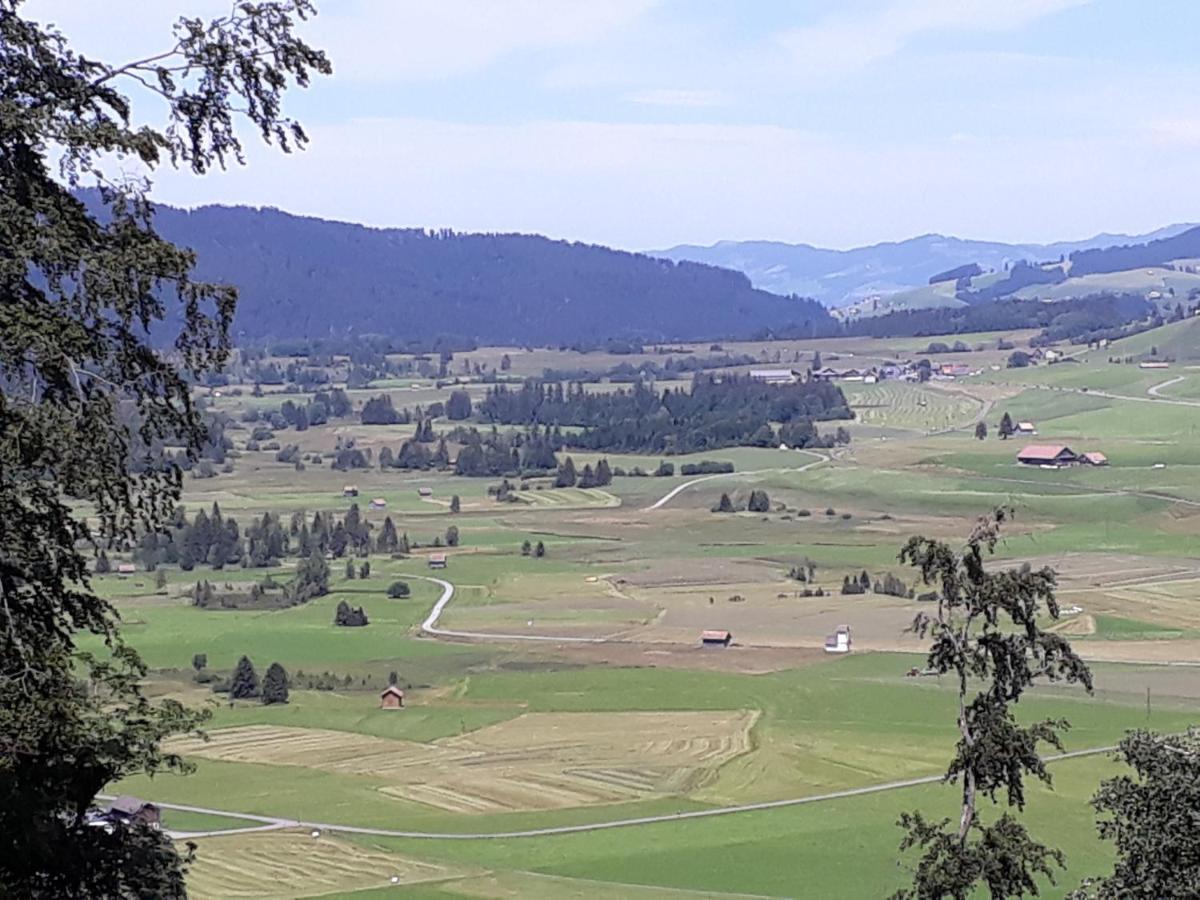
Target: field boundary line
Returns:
[616, 823]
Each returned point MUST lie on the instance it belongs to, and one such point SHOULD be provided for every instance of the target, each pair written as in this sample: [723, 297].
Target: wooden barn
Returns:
[350, 490]
[715, 638]
[425, 493]
[1093, 458]
[437, 560]
[391, 697]
[1047, 455]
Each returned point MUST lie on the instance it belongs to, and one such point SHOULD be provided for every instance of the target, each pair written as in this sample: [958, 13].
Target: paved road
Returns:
[1154, 391]
[271, 824]
[430, 625]
[676, 491]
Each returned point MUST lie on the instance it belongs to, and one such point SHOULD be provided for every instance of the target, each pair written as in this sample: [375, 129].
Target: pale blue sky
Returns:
[645, 123]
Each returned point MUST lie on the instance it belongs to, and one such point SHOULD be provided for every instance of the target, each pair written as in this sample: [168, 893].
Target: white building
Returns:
[839, 641]
[774, 376]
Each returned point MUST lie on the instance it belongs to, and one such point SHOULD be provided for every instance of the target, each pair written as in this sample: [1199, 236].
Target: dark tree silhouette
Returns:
[986, 632]
[275, 685]
[86, 402]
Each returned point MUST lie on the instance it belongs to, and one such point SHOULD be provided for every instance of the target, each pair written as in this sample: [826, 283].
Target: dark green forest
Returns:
[306, 278]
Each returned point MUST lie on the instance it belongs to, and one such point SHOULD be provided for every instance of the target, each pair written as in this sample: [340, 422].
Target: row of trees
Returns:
[244, 683]
[715, 412]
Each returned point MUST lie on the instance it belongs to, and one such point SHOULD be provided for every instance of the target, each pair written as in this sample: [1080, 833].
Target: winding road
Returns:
[679, 489]
[430, 625]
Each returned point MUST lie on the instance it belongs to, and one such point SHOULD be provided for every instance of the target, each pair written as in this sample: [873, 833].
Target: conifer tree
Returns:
[244, 683]
[275, 685]
[1006, 427]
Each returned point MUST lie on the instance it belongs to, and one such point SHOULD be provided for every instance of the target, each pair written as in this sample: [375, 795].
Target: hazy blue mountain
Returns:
[840, 277]
[302, 277]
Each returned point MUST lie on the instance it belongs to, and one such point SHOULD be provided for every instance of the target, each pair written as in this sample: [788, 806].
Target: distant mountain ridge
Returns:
[302, 277]
[842, 277]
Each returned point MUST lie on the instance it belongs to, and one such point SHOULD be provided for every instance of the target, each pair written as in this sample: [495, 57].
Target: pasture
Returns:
[585, 696]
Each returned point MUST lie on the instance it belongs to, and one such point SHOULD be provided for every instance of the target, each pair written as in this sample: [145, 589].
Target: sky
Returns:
[647, 123]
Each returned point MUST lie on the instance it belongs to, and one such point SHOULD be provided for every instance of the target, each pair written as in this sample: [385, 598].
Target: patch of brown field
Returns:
[744, 660]
[1183, 651]
[765, 618]
[699, 572]
[536, 761]
[293, 864]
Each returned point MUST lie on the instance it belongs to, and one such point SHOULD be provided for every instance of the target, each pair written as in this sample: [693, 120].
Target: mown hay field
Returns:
[294, 864]
[894, 404]
[536, 761]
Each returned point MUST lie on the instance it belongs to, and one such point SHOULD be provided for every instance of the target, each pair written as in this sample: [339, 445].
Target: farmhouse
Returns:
[437, 561]
[715, 638]
[839, 641]
[126, 569]
[1025, 428]
[126, 810]
[391, 697]
[1047, 455]
[424, 492]
[774, 376]
[1093, 458]
[378, 503]
[350, 490]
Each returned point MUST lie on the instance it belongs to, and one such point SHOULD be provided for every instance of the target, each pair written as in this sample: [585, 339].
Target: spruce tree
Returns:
[566, 474]
[1006, 427]
[275, 685]
[455, 504]
[244, 683]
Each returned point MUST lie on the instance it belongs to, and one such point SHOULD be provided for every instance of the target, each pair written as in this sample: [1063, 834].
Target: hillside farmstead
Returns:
[1054, 455]
[437, 561]
[127, 810]
[1047, 455]
[715, 638]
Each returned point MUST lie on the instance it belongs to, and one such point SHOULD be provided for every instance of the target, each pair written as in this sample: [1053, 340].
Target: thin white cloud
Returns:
[1179, 132]
[678, 97]
[387, 40]
[845, 43]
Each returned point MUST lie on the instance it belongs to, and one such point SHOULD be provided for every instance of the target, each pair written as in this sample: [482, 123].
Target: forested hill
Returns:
[307, 277]
[1136, 256]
